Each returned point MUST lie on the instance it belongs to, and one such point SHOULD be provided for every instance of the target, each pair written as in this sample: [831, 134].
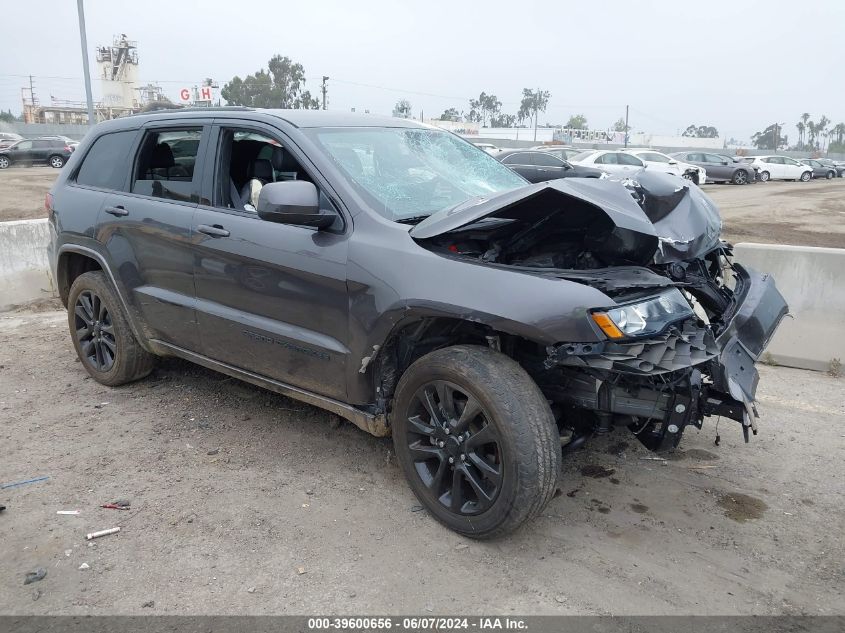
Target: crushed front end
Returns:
[686, 325]
[700, 365]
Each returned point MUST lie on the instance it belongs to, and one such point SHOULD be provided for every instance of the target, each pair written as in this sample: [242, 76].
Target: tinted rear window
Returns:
[105, 166]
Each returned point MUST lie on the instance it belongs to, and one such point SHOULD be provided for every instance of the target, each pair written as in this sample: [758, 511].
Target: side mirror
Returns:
[293, 202]
[673, 162]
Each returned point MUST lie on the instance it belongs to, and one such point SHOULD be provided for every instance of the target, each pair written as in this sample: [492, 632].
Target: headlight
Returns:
[642, 318]
[604, 175]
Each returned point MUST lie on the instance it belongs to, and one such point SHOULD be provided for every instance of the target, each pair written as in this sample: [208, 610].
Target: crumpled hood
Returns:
[673, 221]
[686, 220]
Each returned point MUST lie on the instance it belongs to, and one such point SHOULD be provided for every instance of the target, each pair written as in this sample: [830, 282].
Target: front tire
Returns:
[57, 162]
[101, 333]
[764, 176]
[476, 440]
[805, 177]
[829, 175]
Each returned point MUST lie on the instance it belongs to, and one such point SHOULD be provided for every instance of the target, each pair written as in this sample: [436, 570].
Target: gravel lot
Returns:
[246, 502]
[804, 214]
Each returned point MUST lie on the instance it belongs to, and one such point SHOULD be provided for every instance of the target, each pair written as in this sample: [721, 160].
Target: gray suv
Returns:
[395, 275]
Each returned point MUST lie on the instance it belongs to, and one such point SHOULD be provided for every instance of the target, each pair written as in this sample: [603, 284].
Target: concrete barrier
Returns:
[813, 282]
[24, 265]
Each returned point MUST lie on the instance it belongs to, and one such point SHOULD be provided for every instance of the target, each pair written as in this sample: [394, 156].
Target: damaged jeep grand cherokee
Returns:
[399, 277]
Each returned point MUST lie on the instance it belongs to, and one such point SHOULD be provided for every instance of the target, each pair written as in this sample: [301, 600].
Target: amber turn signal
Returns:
[607, 325]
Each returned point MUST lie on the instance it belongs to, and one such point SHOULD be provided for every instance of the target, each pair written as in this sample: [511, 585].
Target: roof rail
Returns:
[195, 109]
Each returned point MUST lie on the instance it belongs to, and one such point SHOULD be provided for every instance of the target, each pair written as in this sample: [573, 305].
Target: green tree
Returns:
[484, 108]
[578, 122]
[450, 114]
[533, 102]
[770, 138]
[282, 85]
[620, 126]
[7, 117]
[503, 120]
[701, 131]
[402, 109]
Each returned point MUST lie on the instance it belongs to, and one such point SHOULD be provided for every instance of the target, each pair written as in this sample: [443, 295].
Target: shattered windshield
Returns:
[412, 173]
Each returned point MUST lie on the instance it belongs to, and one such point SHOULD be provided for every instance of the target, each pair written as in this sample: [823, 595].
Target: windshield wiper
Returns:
[416, 219]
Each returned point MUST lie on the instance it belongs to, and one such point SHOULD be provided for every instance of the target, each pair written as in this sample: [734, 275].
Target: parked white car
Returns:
[609, 161]
[661, 162]
[780, 168]
[488, 147]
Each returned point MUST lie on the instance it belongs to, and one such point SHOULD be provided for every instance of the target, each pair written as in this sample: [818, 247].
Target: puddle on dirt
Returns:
[596, 471]
[614, 480]
[639, 508]
[741, 508]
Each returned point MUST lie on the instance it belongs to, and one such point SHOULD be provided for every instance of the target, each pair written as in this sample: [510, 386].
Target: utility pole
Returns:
[84, 42]
[536, 112]
[776, 137]
[324, 88]
[626, 126]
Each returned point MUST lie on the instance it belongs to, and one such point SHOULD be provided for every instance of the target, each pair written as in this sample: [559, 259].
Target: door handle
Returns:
[214, 231]
[117, 211]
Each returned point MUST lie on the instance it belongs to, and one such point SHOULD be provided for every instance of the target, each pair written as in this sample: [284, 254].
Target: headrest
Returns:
[262, 170]
[278, 158]
[162, 157]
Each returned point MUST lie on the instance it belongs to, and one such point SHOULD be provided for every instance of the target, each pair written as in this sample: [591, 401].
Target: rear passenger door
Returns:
[41, 150]
[146, 230]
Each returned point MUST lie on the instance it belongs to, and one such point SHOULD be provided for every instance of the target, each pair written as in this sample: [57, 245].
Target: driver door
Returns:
[271, 298]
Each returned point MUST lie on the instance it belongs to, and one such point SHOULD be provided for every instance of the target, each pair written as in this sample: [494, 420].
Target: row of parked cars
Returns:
[44, 150]
[546, 162]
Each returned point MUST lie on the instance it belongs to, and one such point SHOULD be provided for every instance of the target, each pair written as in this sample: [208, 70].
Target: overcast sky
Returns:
[738, 65]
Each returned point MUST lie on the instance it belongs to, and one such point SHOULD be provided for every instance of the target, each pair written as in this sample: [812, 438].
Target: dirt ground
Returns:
[22, 191]
[803, 214]
[243, 501]
[798, 213]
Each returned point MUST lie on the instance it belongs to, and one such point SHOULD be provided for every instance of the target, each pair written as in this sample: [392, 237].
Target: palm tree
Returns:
[804, 118]
[811, 133]
[839, 130]
[800, 127]
[821, 127]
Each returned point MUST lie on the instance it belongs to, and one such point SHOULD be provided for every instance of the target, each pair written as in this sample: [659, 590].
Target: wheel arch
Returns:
[74, 260]
[421, 334]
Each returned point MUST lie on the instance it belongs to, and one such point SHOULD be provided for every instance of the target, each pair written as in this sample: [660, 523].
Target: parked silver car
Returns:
[720, 168]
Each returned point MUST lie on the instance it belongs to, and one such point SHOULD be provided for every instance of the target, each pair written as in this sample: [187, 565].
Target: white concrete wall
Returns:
[813, 282]
[24, 265]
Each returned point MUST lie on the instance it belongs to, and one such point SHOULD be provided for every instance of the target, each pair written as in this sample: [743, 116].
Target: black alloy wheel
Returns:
[455, 449]
[95, 331]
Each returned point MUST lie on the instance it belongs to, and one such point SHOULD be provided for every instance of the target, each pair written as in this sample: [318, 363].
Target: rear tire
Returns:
[101, 333]
[740, 177]
[4, 162]
[829, 175]
[479, 408]
[805, 177]
[764, 176]
[56, 162]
